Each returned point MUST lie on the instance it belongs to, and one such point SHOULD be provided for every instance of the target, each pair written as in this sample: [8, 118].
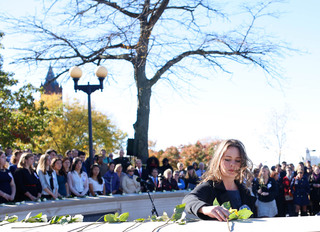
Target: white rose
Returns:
[78, 218]
[44, 218]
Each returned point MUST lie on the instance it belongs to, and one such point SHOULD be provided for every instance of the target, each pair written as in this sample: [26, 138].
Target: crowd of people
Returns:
[284, 190]
[281, 190]
[25, 176]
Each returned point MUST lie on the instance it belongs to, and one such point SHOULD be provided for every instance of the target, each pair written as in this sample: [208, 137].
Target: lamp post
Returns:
[101, 72]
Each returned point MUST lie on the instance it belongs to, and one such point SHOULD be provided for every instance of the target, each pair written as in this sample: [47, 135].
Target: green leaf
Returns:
[110, 218]
[124, 217]
[38, 215]
[244, 213]
[153, 218]
[140, 220]
[227, 205]
[178, 211]
[54, 219]
[180, 208]
[182, 222]
[11, 219]
[64, 220]
[215, 202]
[176, 216]
[233, 216]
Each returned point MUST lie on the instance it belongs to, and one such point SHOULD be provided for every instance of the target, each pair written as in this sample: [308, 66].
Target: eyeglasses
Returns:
[300, 172]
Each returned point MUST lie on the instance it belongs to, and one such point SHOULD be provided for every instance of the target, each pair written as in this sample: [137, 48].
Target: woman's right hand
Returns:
[218, 212]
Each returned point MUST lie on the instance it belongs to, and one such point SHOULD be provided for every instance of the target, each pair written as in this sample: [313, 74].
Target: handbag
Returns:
[288, 197]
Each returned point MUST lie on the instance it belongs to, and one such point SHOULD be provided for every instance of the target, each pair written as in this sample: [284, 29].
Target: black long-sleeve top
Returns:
[271, 187]
[205, 193]
[26, 182]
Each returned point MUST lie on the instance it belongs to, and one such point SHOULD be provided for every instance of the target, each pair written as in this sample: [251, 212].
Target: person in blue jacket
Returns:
[112, 180]
[300, 189]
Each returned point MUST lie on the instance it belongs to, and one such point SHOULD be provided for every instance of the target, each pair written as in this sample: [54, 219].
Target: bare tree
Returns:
[161, 39]
[276, 137]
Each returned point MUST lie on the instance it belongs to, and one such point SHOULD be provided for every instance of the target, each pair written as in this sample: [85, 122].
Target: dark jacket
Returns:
[26, 182]
[152, 186]
[169, 186]
[271, 187]
[205, 193]
[143, 175]
[112, 181]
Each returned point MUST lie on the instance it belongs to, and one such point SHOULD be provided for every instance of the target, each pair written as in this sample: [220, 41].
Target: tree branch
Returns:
[159, 11]
[117, 7]
[183, 55]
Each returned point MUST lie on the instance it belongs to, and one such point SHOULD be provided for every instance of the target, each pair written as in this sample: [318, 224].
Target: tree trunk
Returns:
[141, 126]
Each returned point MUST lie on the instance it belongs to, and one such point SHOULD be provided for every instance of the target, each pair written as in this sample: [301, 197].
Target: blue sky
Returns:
[226, 106]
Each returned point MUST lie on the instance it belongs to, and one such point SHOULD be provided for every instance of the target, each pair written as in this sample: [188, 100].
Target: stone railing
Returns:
[290, 224]
[138, 205]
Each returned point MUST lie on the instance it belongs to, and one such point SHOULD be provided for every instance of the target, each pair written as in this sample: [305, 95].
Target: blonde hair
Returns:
[264, 167]
[117, 166]
[214, 173]
[42, 163]
[23, 159]
[166, 173]
[261, 180]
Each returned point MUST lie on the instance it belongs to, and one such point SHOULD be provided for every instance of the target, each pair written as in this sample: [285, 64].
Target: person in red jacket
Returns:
[288, 196]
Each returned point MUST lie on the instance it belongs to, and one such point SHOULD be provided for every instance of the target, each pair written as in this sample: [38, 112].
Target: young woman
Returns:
[96, 182]
[300, 189]
[48, 178]
[191, 179]
[121, 175]
[77, 179]
[26, 179]
[7, 185]
[130, 183]
[15, 160]
[222, 181]
[56, 165]
[66, 165]
[169, 183]
[266, 191]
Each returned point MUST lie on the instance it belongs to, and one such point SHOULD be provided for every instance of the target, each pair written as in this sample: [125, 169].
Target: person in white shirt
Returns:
[77, 179]
[96, 182]
[48, 178]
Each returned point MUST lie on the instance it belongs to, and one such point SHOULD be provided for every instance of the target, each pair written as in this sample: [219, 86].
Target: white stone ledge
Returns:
[292, 224]
[138, 205]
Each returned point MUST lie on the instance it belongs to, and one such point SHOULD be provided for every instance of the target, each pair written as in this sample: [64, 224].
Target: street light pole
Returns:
[101, 72]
